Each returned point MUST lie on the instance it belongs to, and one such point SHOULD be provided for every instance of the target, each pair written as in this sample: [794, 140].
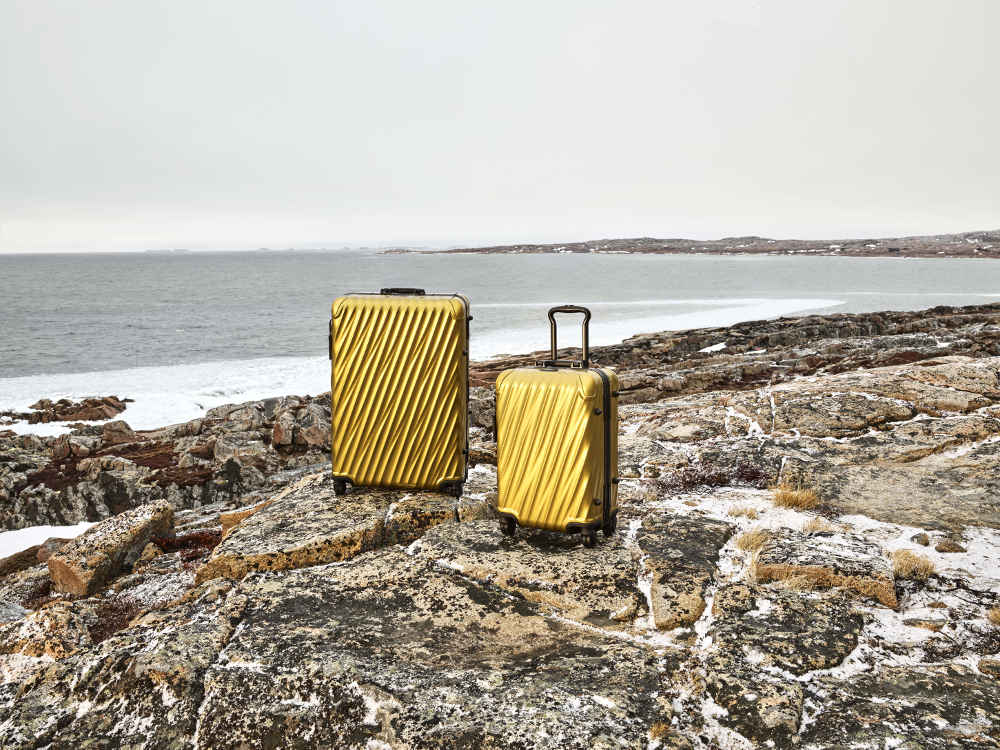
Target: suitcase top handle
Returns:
[555, 361]
[407, 290]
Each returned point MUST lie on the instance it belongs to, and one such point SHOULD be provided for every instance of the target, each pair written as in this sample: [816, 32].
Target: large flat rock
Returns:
[311, 525]
[85, 564]
[761, 638]
[949, 490]
[389, 648]
[140, 688]
[597, 585]
[931, 707]
[680, 554]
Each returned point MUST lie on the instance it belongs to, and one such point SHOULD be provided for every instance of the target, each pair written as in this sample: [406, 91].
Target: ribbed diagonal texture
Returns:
[399, 391]
[550, 447]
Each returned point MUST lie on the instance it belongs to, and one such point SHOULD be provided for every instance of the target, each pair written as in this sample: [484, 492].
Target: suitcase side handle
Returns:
[585, 330]
[407, 290]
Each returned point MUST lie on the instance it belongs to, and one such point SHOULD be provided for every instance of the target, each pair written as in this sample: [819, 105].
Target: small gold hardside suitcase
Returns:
[399, 390]
[557, 443]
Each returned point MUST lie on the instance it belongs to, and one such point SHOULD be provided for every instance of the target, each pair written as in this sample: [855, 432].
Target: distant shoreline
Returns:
[965, 245]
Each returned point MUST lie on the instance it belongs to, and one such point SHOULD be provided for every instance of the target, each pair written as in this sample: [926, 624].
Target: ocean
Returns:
[180, 333]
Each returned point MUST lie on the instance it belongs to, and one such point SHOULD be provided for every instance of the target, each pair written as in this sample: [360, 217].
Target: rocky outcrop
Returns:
[310, 525]
[679, 556]
[758, 636]
[65, 410]
[87, 563]
[937, 707]
[97, 471]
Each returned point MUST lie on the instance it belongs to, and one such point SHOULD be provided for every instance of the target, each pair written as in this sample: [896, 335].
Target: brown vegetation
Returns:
[907, 564]
[744, 511]
[797, 498]
[704, 476]
[818, 576]
[994, 616]
[818, 525]
[113, 615]
[752, 541]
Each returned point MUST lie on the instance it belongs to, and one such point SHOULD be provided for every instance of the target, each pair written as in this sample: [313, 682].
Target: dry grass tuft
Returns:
[751, 541]
[817, 526]
[743, 510]
[906, 564]
[994, 616]
[799, 499]
[752, 567]
[937, 605]
[818, 576]
[659, 730]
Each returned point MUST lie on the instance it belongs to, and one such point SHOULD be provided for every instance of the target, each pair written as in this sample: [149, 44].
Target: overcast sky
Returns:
[238, 124]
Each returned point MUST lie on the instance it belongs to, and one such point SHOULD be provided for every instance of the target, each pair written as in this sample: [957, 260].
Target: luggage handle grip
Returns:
[408, 290]
[584, 362]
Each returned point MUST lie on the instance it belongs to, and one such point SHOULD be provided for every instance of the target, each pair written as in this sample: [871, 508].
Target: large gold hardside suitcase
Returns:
[557, 443]
[399, 390]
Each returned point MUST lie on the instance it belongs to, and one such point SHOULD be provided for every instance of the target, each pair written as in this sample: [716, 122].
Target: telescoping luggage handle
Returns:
[583, 363]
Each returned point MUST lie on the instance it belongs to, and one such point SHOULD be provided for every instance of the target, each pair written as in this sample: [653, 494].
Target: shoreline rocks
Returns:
[64, 410]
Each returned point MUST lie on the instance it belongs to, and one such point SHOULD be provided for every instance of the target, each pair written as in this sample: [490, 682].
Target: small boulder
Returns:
[49, 547]
[95, 557]
[117, 432]
[990, 667]
[948, 545]
[283, 432]
[60, 448]
[921, 539]
[828, 560]
[313, 426]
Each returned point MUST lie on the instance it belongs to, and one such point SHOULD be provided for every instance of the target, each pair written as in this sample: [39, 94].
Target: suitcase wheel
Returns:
[589, 537]
[612, 525]
[508, 526]
[339, 487]
[451, 488]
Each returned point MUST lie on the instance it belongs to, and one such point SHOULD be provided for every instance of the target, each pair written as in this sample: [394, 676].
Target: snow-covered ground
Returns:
[15, 541]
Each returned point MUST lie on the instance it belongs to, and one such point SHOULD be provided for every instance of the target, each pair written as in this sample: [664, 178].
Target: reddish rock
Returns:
[60, 449]
[117, 432]
[283, 432]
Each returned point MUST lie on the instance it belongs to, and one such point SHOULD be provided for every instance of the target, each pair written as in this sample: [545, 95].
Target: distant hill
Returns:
[984, 244]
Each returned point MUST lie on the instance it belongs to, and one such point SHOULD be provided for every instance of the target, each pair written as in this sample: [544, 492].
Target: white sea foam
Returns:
[611, 330]
[168, 394]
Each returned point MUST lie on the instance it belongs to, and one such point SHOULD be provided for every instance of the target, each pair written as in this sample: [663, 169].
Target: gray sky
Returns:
[219, 124]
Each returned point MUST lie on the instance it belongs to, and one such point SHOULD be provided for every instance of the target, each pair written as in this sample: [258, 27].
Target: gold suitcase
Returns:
[399, 390]
[557, 443]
